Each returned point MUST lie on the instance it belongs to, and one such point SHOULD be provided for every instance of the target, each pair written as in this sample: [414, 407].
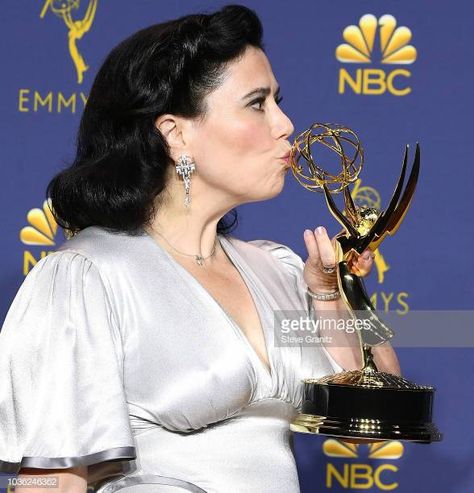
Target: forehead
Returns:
[246, 73]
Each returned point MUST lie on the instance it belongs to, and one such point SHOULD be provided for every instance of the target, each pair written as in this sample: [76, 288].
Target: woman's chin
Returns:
[267, 192]
[275, 190]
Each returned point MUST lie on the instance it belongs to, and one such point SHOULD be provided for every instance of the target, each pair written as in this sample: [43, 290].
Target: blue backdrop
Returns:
[427, 98]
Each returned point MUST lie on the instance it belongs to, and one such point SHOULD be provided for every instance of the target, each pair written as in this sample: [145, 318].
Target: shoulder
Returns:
[82, 262]
[269, 251]
[108, 250]
[60, 274]
[95, 242]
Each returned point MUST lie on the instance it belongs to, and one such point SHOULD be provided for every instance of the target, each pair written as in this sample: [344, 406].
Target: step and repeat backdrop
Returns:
[397, 73]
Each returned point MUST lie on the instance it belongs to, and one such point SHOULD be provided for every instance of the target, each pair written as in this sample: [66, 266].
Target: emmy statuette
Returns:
[364, 404]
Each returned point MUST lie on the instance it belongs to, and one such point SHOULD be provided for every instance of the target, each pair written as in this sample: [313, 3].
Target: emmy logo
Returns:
[77, 28]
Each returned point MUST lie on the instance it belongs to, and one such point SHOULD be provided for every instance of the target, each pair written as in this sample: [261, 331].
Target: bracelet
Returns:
[326, 296]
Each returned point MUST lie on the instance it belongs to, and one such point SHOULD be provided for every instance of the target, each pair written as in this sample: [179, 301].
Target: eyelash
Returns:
[278, 100]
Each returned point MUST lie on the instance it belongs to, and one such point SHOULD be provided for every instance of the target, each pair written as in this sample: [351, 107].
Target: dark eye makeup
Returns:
[261, 100]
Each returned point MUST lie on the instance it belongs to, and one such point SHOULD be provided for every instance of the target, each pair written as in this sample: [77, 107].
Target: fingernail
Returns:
[366, 256]
[307, 232]
[320, 230]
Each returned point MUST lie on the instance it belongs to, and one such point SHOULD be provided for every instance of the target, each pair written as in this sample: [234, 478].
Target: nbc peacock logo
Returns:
[41, 232]
[378, 450]
[356, 475]
[361, 48]
[382, 299]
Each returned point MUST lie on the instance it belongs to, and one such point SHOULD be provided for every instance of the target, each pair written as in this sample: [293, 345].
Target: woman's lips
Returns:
[286, 159]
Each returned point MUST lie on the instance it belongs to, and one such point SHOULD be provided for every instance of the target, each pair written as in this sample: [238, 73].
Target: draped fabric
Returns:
[114, 356]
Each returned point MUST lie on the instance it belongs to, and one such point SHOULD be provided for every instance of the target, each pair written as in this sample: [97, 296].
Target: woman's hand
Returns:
[321, 253]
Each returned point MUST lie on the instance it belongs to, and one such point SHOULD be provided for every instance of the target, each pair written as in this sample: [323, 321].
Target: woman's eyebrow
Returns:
[261, 91]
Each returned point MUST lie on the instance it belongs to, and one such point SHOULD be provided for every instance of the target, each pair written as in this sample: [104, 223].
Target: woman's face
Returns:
[240, 146]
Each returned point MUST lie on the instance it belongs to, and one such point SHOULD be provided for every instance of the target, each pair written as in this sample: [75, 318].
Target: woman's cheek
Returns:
[249, 132]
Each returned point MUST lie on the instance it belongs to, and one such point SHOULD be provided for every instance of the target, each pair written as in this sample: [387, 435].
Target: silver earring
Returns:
[185, 167]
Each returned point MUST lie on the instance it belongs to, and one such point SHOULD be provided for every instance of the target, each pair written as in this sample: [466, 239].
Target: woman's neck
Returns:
[189, 230]
[193, 229]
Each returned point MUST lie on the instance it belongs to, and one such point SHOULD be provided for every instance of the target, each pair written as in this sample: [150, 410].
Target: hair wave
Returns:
[121, 157]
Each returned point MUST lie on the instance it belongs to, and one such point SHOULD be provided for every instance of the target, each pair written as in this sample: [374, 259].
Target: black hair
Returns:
[121, 158]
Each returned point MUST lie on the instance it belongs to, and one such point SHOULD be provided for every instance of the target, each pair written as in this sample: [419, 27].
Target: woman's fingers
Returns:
[320, 253]
[312, 247]
[325, 247]
[362, 264]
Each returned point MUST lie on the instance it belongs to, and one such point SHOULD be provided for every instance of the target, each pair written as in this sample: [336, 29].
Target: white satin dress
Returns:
[114, 356]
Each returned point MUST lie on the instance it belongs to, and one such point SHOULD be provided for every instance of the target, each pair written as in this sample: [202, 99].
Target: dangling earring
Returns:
[185, 167]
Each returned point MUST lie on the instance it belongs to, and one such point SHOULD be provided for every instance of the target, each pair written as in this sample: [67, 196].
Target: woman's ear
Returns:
[170, 127]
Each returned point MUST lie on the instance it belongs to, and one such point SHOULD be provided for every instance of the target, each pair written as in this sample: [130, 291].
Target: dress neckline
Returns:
[233, 256]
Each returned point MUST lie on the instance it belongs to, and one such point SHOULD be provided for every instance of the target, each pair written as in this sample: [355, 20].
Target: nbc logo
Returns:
[41, 231]
[360, 49]
[356, 475]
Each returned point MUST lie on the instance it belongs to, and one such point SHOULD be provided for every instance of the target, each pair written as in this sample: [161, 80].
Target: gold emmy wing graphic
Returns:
[363, 404]
[42, 229]
[394, 47]
[77, 28]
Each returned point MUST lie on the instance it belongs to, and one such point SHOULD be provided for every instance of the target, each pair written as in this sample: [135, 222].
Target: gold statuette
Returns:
[363, 404]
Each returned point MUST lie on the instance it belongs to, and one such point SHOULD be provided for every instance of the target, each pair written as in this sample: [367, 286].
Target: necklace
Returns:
[198, 258]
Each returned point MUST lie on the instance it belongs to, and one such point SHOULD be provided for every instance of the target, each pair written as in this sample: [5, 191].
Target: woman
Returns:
[148, 336]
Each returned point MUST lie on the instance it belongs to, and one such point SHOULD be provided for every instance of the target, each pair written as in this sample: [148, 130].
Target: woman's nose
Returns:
[283, 125]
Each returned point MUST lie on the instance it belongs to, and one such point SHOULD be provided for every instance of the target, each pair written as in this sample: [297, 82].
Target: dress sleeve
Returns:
[62, 401]
[294, 265]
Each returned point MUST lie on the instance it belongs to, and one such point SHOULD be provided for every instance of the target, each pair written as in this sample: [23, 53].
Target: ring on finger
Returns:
[328, 270]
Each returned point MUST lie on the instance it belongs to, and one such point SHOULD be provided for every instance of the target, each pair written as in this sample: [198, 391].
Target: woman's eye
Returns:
[258, 104]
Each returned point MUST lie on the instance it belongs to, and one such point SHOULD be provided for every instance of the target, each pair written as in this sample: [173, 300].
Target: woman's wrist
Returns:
[324, 294]
[323, 288]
